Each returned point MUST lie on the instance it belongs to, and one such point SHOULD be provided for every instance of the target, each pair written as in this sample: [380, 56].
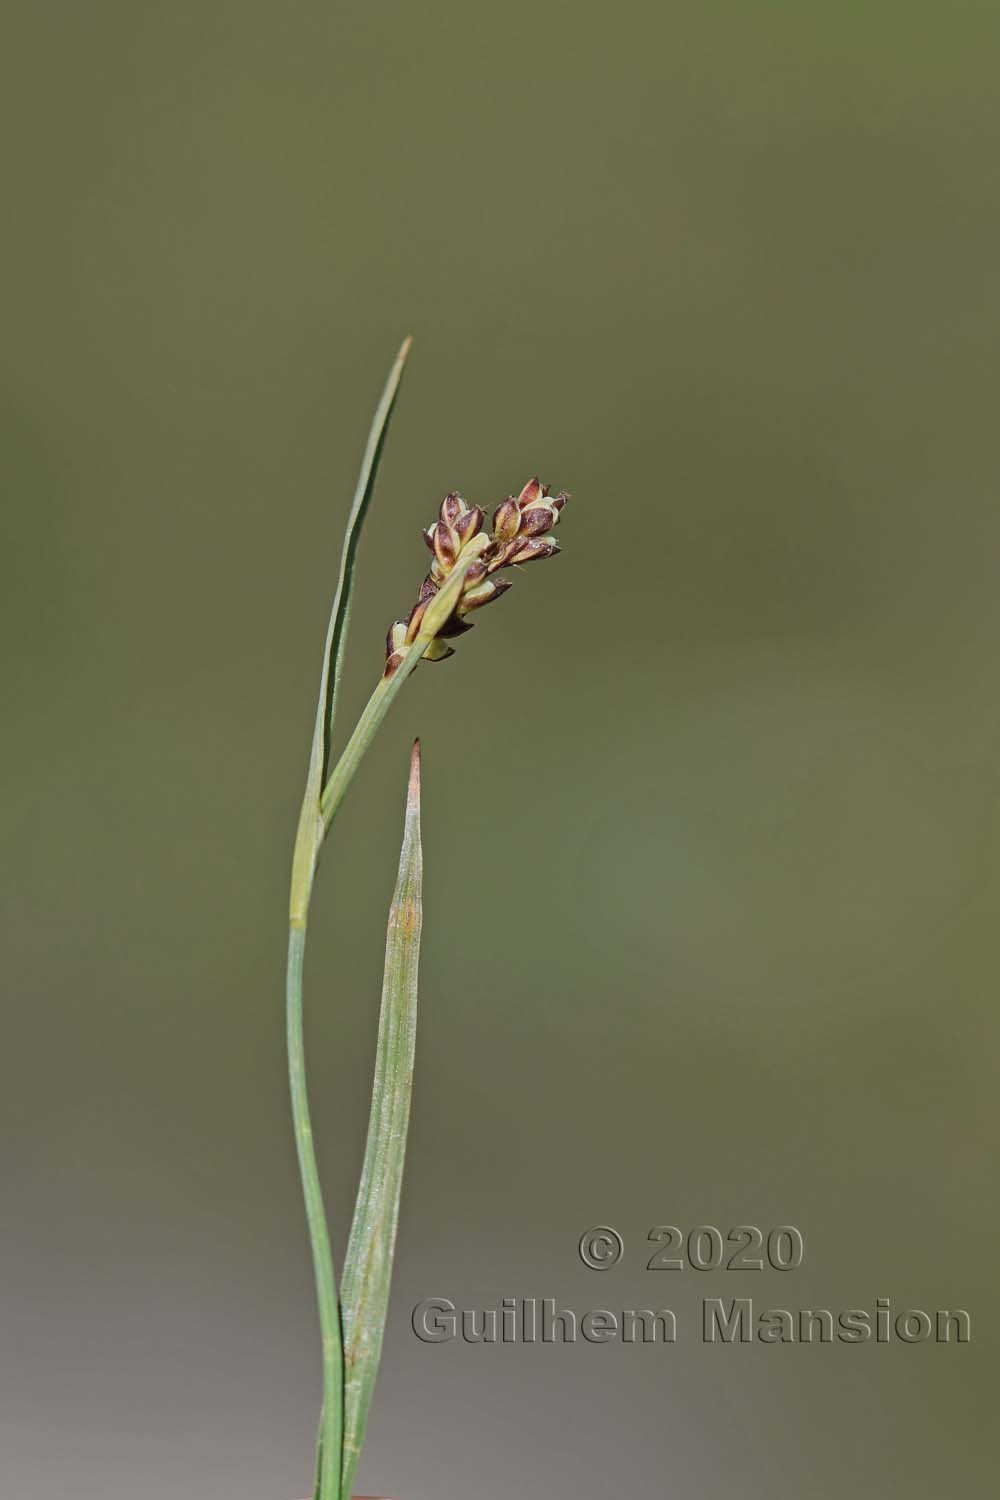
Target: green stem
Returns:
[382, 698]
[326, 1286]
[314, 822]
[313, 825]
[374, 712]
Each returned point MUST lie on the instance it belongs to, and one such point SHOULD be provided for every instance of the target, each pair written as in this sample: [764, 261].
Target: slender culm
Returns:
[462, 578]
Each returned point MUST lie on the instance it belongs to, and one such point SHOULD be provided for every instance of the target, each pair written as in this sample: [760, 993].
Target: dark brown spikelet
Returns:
[457, 540]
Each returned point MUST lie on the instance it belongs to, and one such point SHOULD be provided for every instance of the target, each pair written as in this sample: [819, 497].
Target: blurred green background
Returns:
[711, 801]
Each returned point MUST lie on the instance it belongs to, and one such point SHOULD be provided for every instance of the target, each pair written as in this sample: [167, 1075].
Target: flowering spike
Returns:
[458, 540]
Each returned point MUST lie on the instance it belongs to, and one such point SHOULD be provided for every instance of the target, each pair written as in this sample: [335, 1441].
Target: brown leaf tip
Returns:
[413, 788]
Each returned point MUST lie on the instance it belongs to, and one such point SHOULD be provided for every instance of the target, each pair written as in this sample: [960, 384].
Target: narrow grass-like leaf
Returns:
[368, 1264]
[310, 830]
[340, 614]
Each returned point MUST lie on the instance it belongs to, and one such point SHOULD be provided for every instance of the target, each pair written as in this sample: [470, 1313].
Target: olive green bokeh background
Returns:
[711, 801]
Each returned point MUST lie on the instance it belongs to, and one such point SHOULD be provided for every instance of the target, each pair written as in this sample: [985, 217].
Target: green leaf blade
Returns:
[368, 1264]
[311, 829]
[340, 615]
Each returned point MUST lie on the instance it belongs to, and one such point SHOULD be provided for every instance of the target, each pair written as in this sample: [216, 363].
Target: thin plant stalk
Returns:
[319, 1235]
[461, 580]
[316, 816]
[309, 839]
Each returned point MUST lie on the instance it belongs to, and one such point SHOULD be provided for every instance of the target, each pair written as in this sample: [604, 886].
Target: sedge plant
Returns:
[467, 559]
